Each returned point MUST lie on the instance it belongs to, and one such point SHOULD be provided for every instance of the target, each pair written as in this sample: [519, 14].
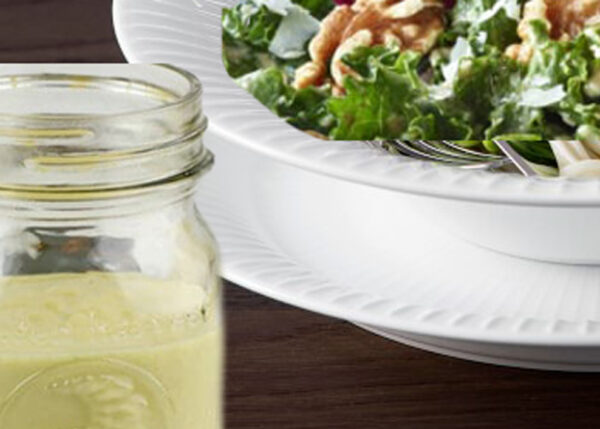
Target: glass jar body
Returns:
[110, 313]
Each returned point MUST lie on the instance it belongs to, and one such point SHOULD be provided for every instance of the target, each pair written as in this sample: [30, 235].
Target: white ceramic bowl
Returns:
[551, 220]
[340, 249]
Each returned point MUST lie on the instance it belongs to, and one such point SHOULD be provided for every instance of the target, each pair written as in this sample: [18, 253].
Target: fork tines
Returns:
[446, 152]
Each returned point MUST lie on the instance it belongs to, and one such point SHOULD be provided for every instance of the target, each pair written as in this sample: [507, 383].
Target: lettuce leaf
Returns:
[484, 83]
[258, 34]
[544, 99]
[317, 8]
[379, 105]
[305, 109]
[556, 75]
[251, 23]
[487, 23]
[240, 58]
[267, 85]
[248, 29]
[389, 100]
[571, 65]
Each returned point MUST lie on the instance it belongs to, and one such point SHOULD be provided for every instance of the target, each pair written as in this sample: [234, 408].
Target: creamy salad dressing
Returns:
[106, 351]
[109, 297]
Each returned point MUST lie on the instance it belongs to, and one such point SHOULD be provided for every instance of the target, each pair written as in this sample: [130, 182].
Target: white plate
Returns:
[184, 33]
[325, 245]
[573, 359]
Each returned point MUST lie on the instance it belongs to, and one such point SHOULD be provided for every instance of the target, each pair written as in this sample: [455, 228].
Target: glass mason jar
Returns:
[110, 307]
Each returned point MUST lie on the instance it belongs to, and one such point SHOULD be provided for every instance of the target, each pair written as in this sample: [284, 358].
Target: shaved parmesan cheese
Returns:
[462, 49]
[294, 31]
[538, 97]
[280, 7]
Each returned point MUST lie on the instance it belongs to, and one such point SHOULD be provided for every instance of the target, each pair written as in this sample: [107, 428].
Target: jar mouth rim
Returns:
[73, 127]
[195, 91]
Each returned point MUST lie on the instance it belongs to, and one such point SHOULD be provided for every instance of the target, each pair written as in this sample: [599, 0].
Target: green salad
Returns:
[465, 70]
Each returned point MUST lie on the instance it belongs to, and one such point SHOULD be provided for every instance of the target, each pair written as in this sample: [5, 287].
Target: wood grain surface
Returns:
[290, 369]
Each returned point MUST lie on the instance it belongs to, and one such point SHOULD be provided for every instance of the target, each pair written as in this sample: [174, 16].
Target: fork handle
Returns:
[522, 165]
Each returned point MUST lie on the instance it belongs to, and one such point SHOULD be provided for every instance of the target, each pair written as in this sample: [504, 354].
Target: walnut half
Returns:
[409, 24]
[565, 19]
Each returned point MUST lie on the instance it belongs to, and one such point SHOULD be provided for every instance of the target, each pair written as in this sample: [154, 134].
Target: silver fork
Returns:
[521, 163]
[453, 154]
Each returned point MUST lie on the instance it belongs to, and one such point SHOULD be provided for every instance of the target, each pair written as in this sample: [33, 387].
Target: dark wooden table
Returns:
[290, 369]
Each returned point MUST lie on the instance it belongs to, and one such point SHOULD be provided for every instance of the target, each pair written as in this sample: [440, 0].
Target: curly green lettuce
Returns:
[487, 23]
[305, 109]
[390, 100]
